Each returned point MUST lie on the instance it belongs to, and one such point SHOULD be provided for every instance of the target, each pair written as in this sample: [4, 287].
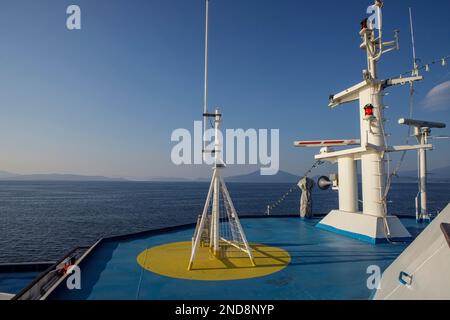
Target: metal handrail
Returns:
[44, 279]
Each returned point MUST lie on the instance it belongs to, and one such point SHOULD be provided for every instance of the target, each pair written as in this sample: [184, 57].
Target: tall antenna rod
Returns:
[416, 67]
[205, 101]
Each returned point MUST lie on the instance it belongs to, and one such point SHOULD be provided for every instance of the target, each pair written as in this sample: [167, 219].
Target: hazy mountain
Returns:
[6, 175]
[439, 175]
[256, 177]
[165, 179]
[53, 177]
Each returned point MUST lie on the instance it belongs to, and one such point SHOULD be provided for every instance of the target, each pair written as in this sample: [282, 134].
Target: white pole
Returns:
[423, 175]
[205, 97]
[373, 168]
[348, 185]
[372, 163]
[216, 214]
[422, 138]
[216, 208]
[217, 140]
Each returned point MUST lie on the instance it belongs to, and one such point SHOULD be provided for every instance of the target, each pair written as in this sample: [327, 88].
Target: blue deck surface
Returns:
[324, 265]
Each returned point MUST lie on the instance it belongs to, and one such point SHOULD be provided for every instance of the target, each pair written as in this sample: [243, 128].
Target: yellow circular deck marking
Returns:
[172, 260]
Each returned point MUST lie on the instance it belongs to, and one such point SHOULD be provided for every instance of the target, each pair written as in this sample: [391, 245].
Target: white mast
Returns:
[421, 155]
[205, 97]
[422, 131]
[211, 234]
[373, 223]
[217, 192]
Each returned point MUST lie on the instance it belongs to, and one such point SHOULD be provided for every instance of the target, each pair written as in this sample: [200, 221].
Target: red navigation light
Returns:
[368, 111]
[364, 24]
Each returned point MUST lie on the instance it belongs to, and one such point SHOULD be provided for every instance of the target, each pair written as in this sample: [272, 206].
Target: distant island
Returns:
[8, 176]
[256, 177]
[440, 175]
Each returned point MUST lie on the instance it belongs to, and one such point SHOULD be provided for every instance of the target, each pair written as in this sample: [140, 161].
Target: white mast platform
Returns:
[373, 224]
[217, 230]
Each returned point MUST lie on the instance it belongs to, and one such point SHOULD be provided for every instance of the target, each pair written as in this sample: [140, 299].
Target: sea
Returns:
[41, 221]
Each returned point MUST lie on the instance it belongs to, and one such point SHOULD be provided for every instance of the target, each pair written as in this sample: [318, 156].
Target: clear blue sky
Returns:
[104, 100]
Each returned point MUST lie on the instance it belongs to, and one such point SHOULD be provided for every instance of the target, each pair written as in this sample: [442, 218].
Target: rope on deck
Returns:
[317, 164]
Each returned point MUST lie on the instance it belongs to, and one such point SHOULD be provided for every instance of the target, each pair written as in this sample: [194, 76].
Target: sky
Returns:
[105, 99]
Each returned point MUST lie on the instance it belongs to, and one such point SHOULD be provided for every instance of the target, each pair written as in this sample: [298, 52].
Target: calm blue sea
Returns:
[40, 221]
